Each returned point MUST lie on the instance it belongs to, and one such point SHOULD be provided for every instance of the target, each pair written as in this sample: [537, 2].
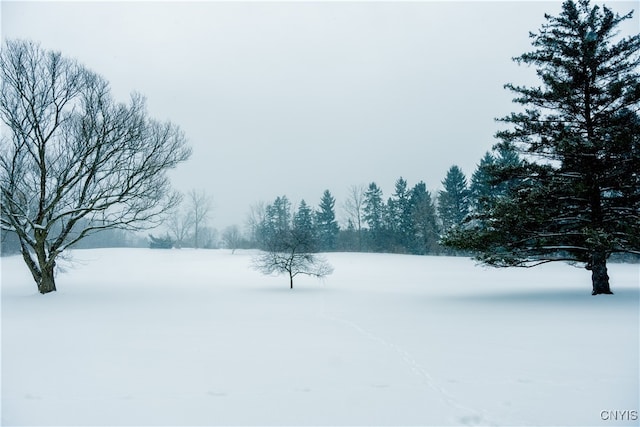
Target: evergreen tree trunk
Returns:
[599, 276]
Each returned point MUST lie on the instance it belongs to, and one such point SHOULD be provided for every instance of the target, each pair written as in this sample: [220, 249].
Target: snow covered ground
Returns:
[186, 337]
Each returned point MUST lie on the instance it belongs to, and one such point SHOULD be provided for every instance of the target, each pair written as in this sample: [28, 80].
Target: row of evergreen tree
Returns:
[410, 221]
[319, 227]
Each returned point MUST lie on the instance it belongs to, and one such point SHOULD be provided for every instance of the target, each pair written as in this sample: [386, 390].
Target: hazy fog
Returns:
[294, 98]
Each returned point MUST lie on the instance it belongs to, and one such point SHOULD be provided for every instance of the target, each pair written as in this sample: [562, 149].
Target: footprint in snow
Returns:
[471, 420]
[380, 385]
[30, 396]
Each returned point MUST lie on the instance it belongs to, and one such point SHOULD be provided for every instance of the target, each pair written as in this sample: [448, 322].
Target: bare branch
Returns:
[70, 153]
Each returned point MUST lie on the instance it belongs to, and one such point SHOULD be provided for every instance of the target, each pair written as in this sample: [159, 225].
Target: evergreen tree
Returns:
[303, 225]
[484, 186]
[279, 214]
[303, 218]
[576, 196]
[424, 239]
[276, 222]
[398, 219]
[374, 208]
[481, 188]
[326, 224]
[453, 201]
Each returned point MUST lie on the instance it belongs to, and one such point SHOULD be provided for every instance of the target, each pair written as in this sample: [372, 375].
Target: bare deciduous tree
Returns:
[255, 218]
[288, 252]
[200, 206]
[354, 209]
[179, 222]
[70, 153]
[232, 237]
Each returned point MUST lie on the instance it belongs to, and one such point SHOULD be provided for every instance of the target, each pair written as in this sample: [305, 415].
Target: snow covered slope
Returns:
[186, 337]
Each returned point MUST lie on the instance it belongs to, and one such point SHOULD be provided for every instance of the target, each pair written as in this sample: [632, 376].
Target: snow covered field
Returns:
[185, 337]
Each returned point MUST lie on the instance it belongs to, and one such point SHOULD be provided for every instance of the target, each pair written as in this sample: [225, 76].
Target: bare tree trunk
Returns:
[599, 276]
[46, 265]
[291, 280]
[47, 281]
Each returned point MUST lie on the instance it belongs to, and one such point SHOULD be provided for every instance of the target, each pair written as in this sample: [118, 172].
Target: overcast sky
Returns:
[294, 98]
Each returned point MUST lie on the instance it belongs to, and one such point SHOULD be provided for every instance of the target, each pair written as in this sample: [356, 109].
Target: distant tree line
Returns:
[185, 225]
[107, 238]
[410, 221]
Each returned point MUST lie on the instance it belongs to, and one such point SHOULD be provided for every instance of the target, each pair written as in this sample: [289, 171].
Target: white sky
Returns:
[294, 98]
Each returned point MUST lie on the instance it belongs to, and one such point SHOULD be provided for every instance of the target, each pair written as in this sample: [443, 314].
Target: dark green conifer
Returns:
[453, 201]
[374, 208]
[425, 231]
[575, 196]
[303, 225]
[326, 225]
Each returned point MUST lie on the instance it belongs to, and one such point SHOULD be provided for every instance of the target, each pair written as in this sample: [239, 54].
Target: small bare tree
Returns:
[179, 222]
[255, 218]
[288, 251]
[73, 161]
[232, 237]
[354, 209]
[200, 206]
